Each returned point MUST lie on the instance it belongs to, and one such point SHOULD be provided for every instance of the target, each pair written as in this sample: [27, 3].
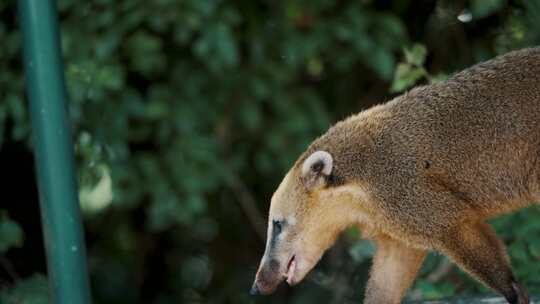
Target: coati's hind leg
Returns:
[477, 250]
[394, 269]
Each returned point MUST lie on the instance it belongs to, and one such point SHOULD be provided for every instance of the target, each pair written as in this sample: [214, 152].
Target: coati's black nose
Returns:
[254, 290]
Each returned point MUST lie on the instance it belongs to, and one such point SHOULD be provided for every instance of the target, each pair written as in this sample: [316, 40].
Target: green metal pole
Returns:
[60, 213]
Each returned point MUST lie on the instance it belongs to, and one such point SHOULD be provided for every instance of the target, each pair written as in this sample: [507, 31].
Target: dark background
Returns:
[187, 113]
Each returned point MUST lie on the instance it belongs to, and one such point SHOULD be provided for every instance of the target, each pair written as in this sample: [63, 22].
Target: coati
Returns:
[421, 172]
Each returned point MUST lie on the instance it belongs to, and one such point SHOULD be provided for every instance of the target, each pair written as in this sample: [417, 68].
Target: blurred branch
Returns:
[248, 204]
[244, 197]
[440, 272]
[8, 267]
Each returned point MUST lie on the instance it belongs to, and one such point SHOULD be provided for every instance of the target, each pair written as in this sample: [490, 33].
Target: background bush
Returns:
[187, 113]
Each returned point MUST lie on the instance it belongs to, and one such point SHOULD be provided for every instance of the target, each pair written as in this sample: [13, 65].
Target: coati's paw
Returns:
[519, 295]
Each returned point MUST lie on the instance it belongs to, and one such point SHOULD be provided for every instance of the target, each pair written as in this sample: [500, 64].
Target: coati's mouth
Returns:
[291, 269]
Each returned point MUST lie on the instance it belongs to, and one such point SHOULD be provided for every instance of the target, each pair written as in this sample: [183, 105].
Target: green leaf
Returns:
[406, 76]
[217, 47]
[361, 250]
[518, 251]
[484, 8]
[534, 246]
[435, 291]
[11, 234]
[416, 55]
[382, 62]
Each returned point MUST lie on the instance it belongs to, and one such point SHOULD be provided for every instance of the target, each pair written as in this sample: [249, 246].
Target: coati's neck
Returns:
[351, 143]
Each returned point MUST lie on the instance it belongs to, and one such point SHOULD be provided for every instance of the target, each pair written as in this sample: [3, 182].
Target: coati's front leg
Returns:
[394, 269]
[477, 250]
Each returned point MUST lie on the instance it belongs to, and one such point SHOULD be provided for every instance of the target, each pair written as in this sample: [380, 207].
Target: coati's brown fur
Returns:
[421, 172]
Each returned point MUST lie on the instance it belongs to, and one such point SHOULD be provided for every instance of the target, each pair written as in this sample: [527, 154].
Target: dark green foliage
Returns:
[186, 115]
[32, 290]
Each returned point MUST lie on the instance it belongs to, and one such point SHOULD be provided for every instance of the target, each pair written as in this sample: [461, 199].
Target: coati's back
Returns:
[471, 143]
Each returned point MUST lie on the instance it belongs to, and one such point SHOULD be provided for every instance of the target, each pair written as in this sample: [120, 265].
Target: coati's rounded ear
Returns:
[316, 168]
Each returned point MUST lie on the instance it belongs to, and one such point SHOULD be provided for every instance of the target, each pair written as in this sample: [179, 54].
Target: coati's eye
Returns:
[278, 225]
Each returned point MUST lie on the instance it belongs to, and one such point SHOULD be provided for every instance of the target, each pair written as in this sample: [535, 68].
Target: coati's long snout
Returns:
[268, 277]
[422, 172]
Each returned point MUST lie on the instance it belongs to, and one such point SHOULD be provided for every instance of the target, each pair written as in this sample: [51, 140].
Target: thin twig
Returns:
[440, 272]
[248, 204]
[8, 266]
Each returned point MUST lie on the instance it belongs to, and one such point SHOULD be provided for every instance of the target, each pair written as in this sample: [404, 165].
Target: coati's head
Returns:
[308, 211]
